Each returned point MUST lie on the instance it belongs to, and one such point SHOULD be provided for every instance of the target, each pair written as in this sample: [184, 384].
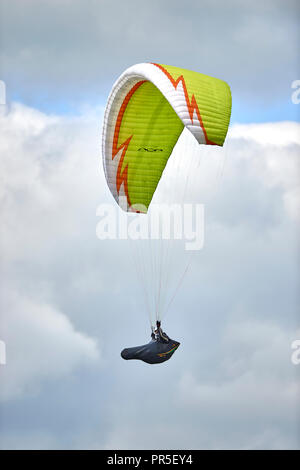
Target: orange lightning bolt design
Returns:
[122, 176]
[191, 104]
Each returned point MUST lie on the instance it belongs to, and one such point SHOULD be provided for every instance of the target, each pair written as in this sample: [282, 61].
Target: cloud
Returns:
[278, 134]
[70, 302]
[78, 49]
[279, 168]
[42, 345]
[251, 381]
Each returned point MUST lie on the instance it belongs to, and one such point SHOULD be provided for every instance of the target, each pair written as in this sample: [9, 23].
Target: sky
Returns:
[70, 302]
[60, 55]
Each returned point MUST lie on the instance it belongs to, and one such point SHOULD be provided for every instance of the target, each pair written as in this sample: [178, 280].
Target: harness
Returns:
[159, 335]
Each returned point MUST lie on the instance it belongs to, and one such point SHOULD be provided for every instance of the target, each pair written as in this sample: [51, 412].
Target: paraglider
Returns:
[159, 349]
[148, 108]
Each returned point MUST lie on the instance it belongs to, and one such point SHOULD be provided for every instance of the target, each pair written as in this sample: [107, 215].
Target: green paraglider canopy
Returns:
[147, 109]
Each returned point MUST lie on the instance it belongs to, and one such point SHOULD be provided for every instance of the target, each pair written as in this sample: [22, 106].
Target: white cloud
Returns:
[42, 345]
[40, 171]
[252, 374]
[272, 152]
[231, 383]
[268, 134]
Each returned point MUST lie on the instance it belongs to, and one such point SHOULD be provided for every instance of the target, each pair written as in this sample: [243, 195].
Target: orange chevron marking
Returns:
[191, 104]
[122, 176]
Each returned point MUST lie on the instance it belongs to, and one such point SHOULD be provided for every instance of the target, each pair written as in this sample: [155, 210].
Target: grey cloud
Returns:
[231, 384]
